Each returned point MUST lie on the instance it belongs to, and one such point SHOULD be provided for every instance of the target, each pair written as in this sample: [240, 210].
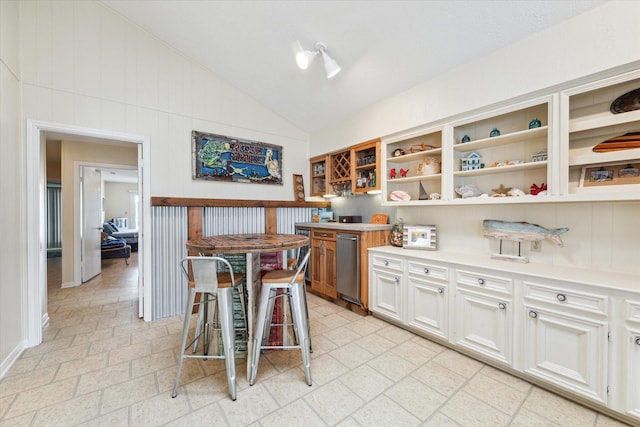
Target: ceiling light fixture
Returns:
[305, 57]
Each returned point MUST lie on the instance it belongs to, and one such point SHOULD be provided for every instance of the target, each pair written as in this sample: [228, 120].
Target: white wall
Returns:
[117, 199]
[12, 181]
[601, 236]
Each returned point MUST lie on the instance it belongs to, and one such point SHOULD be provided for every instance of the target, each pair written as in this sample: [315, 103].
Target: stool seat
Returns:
[280, 276]
[225, 280]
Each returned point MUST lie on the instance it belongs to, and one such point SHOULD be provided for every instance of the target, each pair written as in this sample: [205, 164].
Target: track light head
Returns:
[305, 57]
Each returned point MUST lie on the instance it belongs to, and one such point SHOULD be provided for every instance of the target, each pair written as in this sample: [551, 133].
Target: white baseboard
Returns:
[68, 285]
[11, 359]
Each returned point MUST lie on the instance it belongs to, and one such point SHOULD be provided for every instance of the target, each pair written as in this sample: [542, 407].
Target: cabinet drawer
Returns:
[557, 296]
[387, 262]
[479, 280]
[425, 269]
[323, 234]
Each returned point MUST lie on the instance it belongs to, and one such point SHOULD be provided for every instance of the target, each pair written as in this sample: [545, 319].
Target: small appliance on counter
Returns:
[350, 219]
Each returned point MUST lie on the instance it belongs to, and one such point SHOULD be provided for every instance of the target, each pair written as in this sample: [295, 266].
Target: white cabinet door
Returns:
[632, 378]
[427, 306]
[386, 293]
[484, 324]
[569, 351]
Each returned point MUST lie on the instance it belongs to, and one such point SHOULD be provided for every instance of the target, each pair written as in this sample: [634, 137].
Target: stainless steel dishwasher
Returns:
[348, 269]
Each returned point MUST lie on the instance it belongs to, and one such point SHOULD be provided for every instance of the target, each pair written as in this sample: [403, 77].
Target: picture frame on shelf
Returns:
[419, 237]
[609, 175]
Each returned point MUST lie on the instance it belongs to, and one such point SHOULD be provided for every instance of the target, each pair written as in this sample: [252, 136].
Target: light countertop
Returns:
[356, 226]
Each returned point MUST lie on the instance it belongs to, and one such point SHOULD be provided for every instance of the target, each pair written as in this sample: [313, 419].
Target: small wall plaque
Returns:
[419, 237]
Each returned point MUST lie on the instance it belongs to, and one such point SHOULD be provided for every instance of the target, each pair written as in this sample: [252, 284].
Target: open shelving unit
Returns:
[588, 121]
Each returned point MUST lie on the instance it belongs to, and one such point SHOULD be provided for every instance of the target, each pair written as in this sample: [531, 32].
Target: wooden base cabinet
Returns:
[323, 262]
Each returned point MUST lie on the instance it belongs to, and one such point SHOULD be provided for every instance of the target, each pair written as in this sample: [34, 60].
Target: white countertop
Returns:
[611, 279]
[356, 226]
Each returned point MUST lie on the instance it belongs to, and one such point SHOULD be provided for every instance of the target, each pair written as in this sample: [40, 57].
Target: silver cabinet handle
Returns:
[481, 281]
[638, 340]
[533, 314]
[441, 290]
[396, 279]
[426, 270]
[386, 263]
[561, 297]
[502, 305]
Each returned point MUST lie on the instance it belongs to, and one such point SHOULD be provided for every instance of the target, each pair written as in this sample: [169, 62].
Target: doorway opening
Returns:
[35, 295]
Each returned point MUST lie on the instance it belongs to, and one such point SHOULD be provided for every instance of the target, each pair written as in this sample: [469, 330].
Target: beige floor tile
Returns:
[57, 357]
[495, 393]
[208, 416]
[204, 391]
[287, 386]
[375, 344]
[333, 402]
[325, 368]
[340, 336]
[152, 363]
[439, 378]
[333, 321]
[351, 355]
[93, 336]
[413, 352]
[113, 419]
[23, 365]
[19, 421]
[321, 345]
[41, 397]
[26, 381]
[417, 398]
[297, 413]
[526, 418]
[252, 404]
[81, 366]
[366, 382]
[158, 410]
[53, 345]
[130, 352]
[557, 409]
[77, 329]
[71, 412]
[604, 421]
[470, 411]
[166, 343]
[127, 393]
[4, 403]
[366, 326]
[440, 420]
[384, 412]
[392, 366]
[150, 334]
[191, 371]
[504, 378]
[458, 363]
[394, 334]
[103, 378]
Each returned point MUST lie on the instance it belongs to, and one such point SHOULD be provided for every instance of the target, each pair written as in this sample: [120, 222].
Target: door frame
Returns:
[34, 299]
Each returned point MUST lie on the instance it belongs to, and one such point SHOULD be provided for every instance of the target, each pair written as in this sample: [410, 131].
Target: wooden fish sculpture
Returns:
[521, 231]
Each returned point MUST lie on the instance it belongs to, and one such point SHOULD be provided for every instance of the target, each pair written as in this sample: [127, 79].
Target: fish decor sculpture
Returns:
[521, 231]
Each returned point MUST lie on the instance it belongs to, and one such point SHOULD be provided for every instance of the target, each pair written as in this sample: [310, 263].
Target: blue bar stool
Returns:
[217, 288]
[286, 284]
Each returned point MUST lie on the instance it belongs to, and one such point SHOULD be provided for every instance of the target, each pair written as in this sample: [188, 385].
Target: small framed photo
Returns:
[419, 237]
[609, 176]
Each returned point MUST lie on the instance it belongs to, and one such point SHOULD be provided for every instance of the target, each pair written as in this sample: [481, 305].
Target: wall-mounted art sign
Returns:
[225, 158]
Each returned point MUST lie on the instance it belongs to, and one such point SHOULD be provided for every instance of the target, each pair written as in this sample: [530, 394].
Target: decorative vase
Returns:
[494, 132]
[395, 238]
[535, 123]
[465, 139]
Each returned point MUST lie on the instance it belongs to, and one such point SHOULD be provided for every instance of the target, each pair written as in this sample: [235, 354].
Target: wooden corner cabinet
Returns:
[323, 262]
[365, 166]
[318, 174]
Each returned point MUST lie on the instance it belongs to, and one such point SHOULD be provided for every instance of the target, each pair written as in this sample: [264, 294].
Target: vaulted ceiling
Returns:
[383, 47]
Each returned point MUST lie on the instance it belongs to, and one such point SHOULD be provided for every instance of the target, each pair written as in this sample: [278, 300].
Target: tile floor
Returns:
[99, 365]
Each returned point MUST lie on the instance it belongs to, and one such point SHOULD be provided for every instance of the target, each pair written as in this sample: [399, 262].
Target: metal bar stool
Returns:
[292, 284]
[215, 287]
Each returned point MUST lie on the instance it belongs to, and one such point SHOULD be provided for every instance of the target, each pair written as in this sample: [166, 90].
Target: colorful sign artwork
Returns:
[225, 158]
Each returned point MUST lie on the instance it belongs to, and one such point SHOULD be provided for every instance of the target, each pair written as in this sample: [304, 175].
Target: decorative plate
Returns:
[630, 101]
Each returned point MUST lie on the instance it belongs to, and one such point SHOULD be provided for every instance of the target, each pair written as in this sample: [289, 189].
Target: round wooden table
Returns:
[246, 243]
[249, 244]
